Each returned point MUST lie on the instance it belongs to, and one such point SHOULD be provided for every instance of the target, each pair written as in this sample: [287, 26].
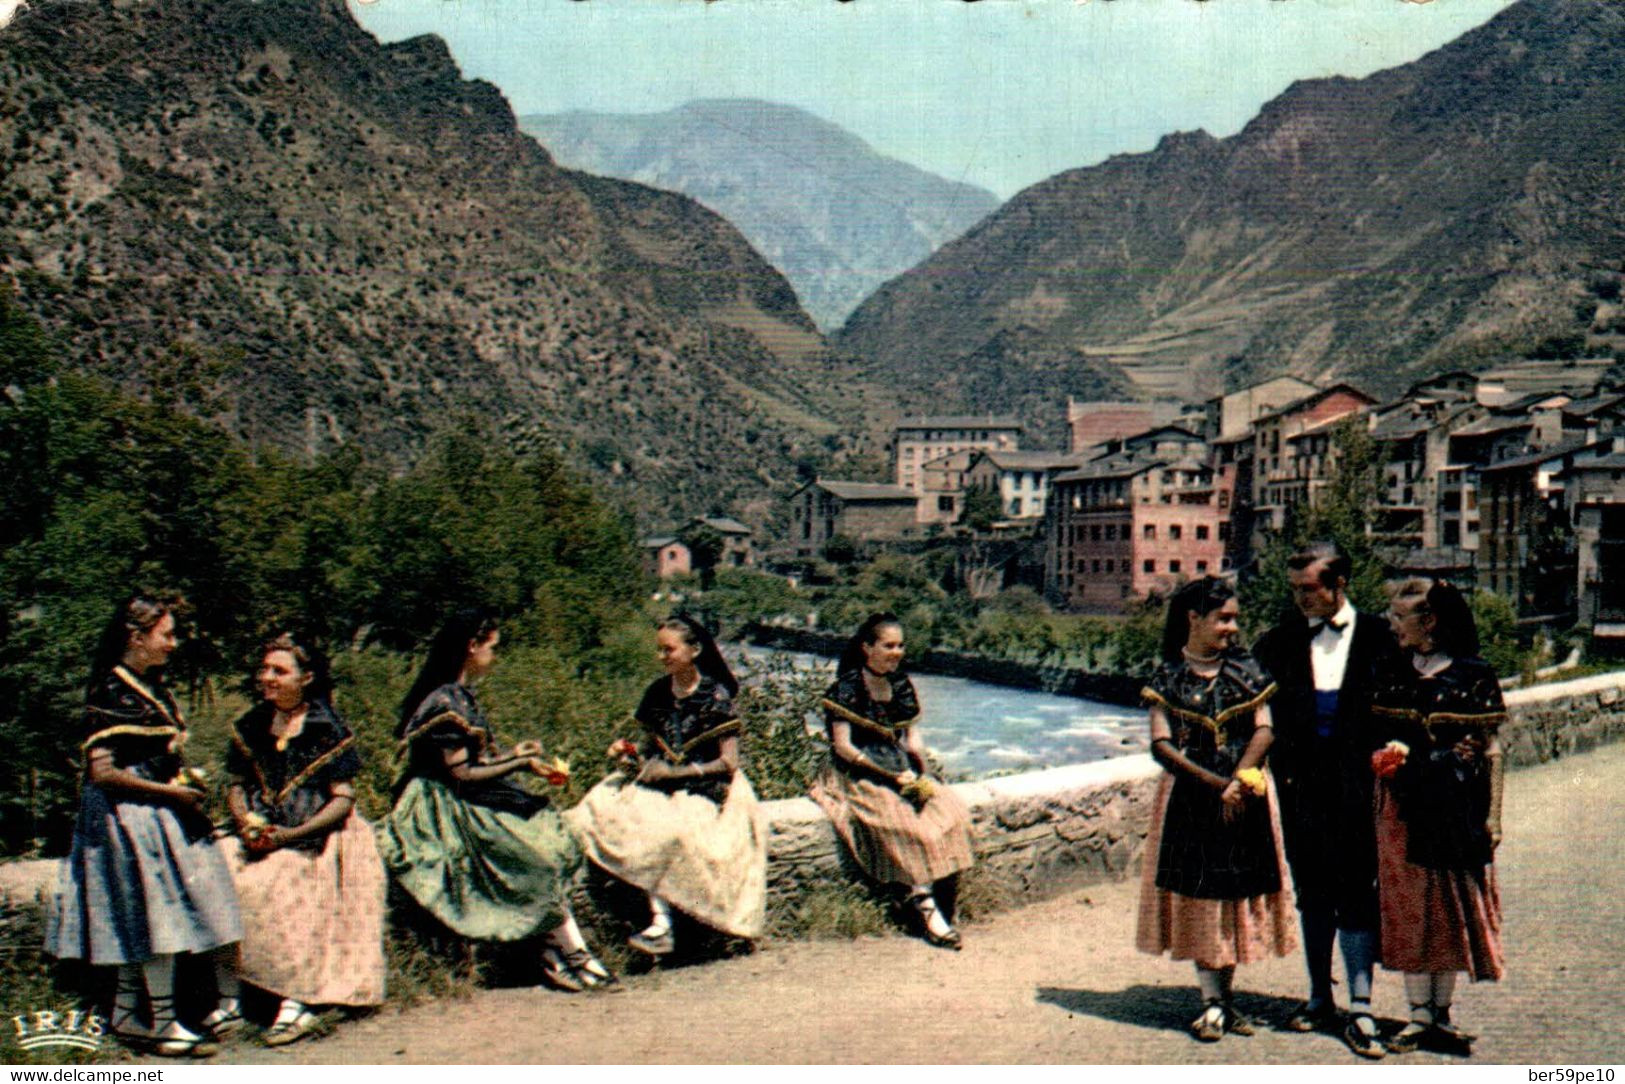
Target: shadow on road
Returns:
[1168, 1008]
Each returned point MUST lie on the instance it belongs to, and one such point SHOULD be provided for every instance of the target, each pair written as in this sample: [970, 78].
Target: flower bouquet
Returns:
[1253, 781]
[1386, 762]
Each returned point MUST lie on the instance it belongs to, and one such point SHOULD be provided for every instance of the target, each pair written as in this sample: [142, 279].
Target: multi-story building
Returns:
[1021, 479]
[1232, 415]
[917, 441]
[861, 511]
[1524, 550]
[1595, 490]
[1091, 423]
[1289, 471]
[1124, 526]
[1412, 438]
[942, 487]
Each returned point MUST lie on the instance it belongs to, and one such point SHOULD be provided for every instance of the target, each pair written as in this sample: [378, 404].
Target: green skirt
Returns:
[489, 875]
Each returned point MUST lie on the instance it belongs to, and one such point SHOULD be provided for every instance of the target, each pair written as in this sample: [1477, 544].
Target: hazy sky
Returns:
[1000, 93]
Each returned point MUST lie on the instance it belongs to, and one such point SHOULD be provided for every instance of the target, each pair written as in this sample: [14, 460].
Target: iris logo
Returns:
[43, 1029]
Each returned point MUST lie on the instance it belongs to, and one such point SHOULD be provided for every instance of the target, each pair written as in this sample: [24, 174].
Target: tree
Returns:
[982, 508]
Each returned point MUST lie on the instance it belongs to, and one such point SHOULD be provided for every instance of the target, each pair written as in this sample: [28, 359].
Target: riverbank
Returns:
[1120, 689]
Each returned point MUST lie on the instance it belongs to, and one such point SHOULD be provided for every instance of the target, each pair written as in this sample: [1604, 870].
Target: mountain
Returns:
[333, 241]
[1436, 215]
[836, 217]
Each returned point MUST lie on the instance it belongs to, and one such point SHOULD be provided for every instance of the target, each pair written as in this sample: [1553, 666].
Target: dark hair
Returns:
[1454, 631]
[448, 654]
[1200, 597]
[852, 656]
[708, 659]
[1338, 563]
[312, 660]
[139, 613]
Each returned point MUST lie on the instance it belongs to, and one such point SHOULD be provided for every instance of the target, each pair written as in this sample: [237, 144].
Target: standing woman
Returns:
[144, 881]
[307, 870]
[1213, 889]
[1438, 812]
[480, 853]
[902, 827]
[680, 820]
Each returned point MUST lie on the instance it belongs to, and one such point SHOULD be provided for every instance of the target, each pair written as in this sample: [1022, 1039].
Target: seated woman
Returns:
[1214, 885]
[680, 820]
[1438, 812]
[486, 857]
[144, 881]
[307, 870]
[902, 827]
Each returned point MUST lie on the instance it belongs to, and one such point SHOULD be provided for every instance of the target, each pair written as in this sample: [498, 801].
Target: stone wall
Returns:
[1044, 833]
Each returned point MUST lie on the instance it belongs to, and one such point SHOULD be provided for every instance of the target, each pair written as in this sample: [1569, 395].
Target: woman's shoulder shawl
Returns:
[323, 753]
[122, 705]
[1469, 694]
[1241, 686]
[449, 712]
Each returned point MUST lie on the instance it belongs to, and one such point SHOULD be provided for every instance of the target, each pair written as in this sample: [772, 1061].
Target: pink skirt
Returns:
[1213, 933]
[313, 924]
[1433, 920]
[891, 840]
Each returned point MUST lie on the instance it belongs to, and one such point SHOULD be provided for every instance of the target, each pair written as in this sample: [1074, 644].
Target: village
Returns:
[1510, 480]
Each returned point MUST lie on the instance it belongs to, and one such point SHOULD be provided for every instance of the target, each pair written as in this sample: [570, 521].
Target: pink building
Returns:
[665, 556]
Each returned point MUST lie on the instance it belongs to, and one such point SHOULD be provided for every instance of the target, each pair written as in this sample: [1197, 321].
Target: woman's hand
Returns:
[1233, 798]
[266, 839]
[187, 799]
[905, 777]
[656, 771]
[527, 749]
[1469, 748]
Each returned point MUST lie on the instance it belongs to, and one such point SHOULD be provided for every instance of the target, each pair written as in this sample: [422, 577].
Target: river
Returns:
[979, 730]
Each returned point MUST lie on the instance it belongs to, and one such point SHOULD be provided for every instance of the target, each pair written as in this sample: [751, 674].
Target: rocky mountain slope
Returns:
[327, 241]
[837, 218]
[1446, 213]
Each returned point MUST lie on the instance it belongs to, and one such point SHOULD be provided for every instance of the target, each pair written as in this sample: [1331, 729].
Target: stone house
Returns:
[738, 540]
[861, 511]
[1021, 479]
[665, 555]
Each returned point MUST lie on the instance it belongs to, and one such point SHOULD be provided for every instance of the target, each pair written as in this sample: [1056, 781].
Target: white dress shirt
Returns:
[1329, 649]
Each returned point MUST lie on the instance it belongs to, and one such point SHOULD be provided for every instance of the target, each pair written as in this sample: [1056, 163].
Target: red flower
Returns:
[1385, 762]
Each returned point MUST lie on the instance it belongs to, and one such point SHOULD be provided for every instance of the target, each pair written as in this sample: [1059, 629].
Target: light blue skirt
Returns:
[137, 885]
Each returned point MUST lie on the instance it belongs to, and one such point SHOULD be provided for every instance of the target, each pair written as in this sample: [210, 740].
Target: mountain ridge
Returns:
[833, 214]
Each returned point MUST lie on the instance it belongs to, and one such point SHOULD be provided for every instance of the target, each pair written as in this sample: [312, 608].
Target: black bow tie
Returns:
[1335, 626]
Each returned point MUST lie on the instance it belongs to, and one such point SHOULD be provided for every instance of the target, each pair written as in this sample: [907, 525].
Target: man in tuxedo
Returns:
[1324, 658]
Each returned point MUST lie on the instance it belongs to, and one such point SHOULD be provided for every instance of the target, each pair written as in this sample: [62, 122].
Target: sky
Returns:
[999, 93]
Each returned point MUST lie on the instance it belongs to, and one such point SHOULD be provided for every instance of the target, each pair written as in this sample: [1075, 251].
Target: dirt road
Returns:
[1060, 982]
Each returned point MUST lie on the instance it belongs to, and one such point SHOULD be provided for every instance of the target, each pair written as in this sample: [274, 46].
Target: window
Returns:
[1452, 533]
[1111, 565]
[1097, 564]
[1201, 566]
[1150, 530]
[1175, 532]
[945, 504]
[1201, 532]
[1150, 565]
[1111, 532]
[1094, 533]
[1173, 566]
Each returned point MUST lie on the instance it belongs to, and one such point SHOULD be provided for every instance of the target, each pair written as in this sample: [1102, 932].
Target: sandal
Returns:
[285, 1031]
[1209, 1027]
[589, 969]
[1447, 1038]
[175, 1039]
[223, 1021]
[557, 972]
[653, 944]
[1238, 1023]
[926, 907]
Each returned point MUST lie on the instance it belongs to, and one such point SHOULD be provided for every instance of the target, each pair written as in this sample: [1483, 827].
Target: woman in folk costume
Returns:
[308, 874]
[1438, 812]
[902, 827]
[680, 820]
[1214, 888]
[486, 857]
[144, 882]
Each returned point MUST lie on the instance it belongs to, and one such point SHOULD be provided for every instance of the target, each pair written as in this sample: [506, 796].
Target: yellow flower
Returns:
[1253, 780]
[919, 791]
